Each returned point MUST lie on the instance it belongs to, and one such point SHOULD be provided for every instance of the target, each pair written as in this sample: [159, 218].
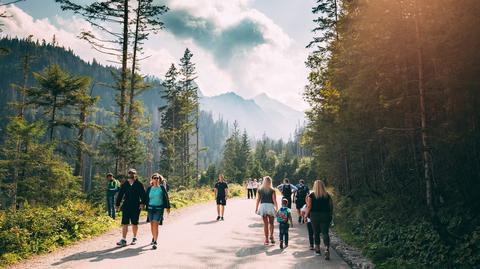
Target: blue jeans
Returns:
[111, 206]
[284, 232]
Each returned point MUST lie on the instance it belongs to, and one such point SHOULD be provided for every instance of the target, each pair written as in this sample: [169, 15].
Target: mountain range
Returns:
[261, 115]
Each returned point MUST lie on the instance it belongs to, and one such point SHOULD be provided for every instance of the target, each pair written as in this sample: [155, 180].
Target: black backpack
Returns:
[302, 193]
[287, 191]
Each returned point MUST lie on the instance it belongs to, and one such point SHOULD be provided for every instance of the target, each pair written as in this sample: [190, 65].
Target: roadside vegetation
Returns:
[36, 230]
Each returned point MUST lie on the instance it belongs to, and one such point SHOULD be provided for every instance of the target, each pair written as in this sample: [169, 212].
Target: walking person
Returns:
[164, 183]
[266, 206]
[284, 216]
[287, 190]
[250, 189]
[132, 198]
[157, 201]
[320, 208]
[255, 187]
[306, 219]
[113, 186]
[300, 198]
[221, 195]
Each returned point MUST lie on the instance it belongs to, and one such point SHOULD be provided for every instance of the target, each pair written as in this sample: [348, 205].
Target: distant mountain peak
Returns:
[257, 115]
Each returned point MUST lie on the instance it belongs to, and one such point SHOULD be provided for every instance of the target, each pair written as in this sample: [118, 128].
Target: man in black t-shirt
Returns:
[132, 198]
[221, 195]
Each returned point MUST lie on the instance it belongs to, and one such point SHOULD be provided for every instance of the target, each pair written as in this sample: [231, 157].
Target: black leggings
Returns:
[254, 193]
[250, 193]
[321, 224]
[310, 233]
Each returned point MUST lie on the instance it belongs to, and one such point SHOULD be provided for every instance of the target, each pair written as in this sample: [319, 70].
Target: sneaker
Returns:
[318, 253]
[134, 241]
[327, 255]
[218, 218]
[122, 243]
[154, 245]
[311, 247]
[153, 241]
[221, 218]
[281, 244]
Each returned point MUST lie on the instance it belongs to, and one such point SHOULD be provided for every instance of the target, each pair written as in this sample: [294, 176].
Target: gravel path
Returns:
[191, 238]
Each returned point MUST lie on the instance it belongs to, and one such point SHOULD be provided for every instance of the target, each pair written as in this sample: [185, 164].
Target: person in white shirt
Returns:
[250, 189]
[255, 187]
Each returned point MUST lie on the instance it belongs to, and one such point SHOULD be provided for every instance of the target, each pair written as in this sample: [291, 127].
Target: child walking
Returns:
[284, 216]
[306, 219]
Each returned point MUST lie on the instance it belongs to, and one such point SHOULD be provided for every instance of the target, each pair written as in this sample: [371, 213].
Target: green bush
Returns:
[34, 230]
[393, 238]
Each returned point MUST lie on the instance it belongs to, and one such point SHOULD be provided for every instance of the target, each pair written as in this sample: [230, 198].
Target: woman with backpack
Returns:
[157, 201]
[266, 206]
[320, 211]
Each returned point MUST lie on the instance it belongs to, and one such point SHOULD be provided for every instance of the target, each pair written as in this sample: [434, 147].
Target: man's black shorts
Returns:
[221, 201]
[299, 204]
[130, 217]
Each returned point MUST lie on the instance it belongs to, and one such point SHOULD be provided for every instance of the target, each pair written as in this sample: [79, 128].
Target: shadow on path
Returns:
[206, 222]
[101, 255]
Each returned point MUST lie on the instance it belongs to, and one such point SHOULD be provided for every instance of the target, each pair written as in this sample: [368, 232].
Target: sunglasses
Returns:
[155, 177]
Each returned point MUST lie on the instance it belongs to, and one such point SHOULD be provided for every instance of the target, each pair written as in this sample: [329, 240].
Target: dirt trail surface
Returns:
[192, 238]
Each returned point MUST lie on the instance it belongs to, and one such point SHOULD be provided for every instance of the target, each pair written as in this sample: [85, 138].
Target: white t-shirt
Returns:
[250, 185]
[304, 209]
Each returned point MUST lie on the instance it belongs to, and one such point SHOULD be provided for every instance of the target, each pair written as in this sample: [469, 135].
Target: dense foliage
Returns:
[394, 127]
[90, 138]
[35, 230]
[244, 159]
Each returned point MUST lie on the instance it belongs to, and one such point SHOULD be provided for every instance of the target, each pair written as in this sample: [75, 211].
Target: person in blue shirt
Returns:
[157, 201]
[284, 216]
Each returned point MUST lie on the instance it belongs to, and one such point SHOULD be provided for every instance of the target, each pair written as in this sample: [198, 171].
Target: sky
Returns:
[245, 46]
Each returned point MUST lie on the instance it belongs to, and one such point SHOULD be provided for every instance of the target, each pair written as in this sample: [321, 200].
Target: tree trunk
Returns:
[197, 145]
[123, 83]
[423, 119]
[134, 62]
[78, 170]
[54, 110]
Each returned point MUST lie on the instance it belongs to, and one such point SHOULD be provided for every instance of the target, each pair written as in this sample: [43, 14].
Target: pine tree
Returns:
[146, 21]
[170, 124]
[56, 92]
[230, 154]
[189, 113]
[43, 178]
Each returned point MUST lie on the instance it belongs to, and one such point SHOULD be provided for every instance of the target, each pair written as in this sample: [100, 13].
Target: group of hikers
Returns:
[132, 197]
[315, 208]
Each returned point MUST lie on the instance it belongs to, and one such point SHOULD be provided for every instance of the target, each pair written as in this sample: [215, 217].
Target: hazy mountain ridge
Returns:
[259, 115]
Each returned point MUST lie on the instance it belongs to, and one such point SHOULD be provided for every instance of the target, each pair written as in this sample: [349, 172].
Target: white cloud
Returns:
[276, 66]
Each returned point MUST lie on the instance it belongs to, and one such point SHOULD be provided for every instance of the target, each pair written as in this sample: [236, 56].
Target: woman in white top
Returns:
[250, 189]
[255, 188]
[267, 200]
